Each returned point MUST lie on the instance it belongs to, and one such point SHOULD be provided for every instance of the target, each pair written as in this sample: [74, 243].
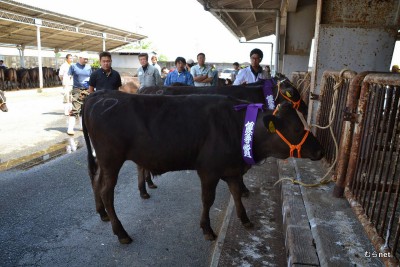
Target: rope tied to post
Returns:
[301, 81]
[324, 180]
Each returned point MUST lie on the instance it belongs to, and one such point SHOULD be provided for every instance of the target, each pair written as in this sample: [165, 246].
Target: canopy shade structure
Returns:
[251, 19]
[19, 22]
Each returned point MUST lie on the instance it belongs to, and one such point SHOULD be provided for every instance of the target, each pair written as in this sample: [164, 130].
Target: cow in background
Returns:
[129, 84]
[198, 132]
[2, 83]
[23, 78]
[34, 76]
[10, 78]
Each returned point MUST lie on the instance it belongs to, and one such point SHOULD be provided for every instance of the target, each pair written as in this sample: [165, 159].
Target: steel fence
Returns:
[349, 120]
[329, 80]
[373, 171]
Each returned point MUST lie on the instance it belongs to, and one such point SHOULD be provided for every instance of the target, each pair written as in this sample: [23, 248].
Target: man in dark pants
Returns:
[80, 73]
[104, 78]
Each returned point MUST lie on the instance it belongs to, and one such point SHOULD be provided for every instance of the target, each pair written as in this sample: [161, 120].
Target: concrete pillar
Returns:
[358, 35]
[56, 56]
[300, 27]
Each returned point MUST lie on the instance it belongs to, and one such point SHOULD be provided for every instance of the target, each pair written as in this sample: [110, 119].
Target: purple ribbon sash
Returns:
[248, 130]
[268, 94]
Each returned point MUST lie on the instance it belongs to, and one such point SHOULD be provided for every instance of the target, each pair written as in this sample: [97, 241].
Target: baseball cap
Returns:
[190, 62]
[83, 55]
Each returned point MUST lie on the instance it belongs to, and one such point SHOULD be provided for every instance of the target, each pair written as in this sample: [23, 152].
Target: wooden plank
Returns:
[300, 246]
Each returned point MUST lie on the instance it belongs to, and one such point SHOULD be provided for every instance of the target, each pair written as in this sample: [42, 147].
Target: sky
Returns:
[174, 27]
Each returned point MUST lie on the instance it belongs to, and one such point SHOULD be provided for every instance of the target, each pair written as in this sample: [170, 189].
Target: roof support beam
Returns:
[256, 24]
[240, 10]
[13, 17]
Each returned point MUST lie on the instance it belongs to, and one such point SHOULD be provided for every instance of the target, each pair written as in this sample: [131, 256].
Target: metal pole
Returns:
[56, 56]
[240, 10]
[277, 43]
[104, 41]
[38, 23]
[21, 55]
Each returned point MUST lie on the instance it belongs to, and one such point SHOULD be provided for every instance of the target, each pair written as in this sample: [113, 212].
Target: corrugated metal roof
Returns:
[18, 27]
[251, 19]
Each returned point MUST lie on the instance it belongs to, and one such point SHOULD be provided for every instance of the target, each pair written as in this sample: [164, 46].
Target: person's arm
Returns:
[167, 81]
[71, 70]
[239, 78]
[157, 76]
[119, 83]
[198, 79]
[92, 83]
[201, 78]
[210, 76]
[190, 79]
[61, 72]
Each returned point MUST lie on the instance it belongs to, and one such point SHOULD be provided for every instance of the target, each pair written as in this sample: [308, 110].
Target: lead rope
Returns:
[300, 82]
[324, 180]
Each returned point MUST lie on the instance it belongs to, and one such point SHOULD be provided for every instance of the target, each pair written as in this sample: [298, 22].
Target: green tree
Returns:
[95, 64]
[142, 44]
[162, 57]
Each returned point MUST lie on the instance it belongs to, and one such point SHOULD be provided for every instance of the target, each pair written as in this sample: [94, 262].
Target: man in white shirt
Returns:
[254, 72]
[66, 83]
[202, 74]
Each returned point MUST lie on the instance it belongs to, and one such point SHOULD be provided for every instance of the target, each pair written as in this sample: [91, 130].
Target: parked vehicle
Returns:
[226, 74]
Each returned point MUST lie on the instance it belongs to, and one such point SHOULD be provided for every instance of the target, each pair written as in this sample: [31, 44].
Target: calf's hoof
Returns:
[145, 196]
[245, 193]
[125, 240]
[104, 217]
[210, 236]
[248, 225]
[152, 186]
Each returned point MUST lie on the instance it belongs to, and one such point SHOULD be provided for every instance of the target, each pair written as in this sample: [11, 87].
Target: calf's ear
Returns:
[271, 123]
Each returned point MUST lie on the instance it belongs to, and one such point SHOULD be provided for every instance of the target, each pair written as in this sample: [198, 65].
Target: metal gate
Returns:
[374, 163]
[329, 80]
[346, 140]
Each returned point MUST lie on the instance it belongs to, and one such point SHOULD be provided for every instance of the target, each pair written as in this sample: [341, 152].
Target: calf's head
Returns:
[284, 135]
[288, 92]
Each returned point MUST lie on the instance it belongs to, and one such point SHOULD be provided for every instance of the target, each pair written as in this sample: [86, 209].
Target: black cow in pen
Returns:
[284, 91]
[195, 132]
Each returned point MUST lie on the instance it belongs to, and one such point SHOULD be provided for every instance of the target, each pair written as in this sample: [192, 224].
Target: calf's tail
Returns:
[92, 164]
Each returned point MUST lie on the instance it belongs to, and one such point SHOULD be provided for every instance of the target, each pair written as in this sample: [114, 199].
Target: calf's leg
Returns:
[235, 188]
[243, 188]
[108, 179]
[208, 188]
[95, 179]
[149, 182]
[141, 182]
